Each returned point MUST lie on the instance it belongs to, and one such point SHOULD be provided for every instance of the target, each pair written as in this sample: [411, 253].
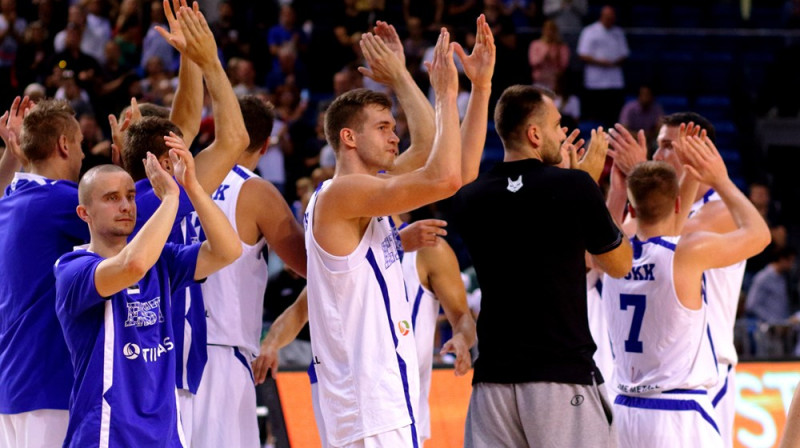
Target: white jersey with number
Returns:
[723, 286]
[659, 345]
[234, 295]
[424, 313]
[360, 320]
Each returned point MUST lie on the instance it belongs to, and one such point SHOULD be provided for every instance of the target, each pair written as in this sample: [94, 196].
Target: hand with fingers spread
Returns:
[459, 347]
[11, 121]
[626, 150]
[594, 160]
[163, 184]
[175, 33]
[198, 41]
[182, 162]
[389, 35]
[571, 150]
[702, 160]
[479, 65]
[384, 65]
[442, 69]
[422, 233]
[687, 130]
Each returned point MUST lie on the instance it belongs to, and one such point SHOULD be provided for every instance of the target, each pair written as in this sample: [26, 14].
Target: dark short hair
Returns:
[685, 117]
[146, 135]
[149, 110]
[653, 187]
[515, 106]
[346, 111]
[259, 116]
[42, 127]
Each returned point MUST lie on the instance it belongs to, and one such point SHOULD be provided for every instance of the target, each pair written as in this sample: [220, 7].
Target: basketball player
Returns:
[234, 296]
[189, 33]
[112, 299]
[37, 225]
[724, 284]
[367, 369]
[658, 322]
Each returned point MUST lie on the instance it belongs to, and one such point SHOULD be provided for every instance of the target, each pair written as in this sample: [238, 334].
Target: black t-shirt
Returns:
[526, 226]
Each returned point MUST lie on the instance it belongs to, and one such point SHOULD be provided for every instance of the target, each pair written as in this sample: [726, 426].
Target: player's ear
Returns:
[264, 148]
[81, 210]
[631, 210]
[63, 149]
[166, 164]
[678, 204]
[347, 138]
[533, 133]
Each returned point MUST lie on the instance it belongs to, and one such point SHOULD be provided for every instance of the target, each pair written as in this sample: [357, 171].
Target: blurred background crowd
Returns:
[731, 61]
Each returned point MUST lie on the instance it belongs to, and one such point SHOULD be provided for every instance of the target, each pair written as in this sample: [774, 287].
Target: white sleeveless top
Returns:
[424, 313]
[658, 344]
[234, 295]
[723, 286]
[361, 335]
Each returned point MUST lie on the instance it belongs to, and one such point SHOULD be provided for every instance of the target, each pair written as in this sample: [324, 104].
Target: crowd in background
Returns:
[300, 54]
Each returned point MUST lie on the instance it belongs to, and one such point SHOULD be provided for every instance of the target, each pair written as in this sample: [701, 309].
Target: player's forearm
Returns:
[688, 191]
[231, 137]
[144, 249]
[223, 241]
[289, 324]
[188, 104]
[473, 132]
[444, 164]
[745, 215]
[464, 325]
[421, 119]
[9, 164]
[615, 202]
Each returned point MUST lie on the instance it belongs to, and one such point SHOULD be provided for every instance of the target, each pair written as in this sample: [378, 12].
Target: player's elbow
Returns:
[230, 253]
[135, 268]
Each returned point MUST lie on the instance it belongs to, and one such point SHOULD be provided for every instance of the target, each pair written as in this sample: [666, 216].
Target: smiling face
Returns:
[375, 139]
[108, 203]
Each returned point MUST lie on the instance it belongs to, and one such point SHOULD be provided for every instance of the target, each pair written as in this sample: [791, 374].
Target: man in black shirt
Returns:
[527, 225]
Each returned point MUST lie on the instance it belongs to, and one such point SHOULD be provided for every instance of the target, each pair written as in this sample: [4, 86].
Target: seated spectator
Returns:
[286, 32]
[93, 36]
[548, 56]
[85, 67]
[643, 113]
[35, 92]
[156, 46]
[768, 297]
[77, 98]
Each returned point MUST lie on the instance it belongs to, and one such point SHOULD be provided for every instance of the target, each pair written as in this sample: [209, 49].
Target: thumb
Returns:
[573, 158]
[642, 139]
[462, 55]
[116, 157]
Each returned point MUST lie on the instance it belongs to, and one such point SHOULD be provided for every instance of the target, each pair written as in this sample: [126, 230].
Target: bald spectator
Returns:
[602, 47]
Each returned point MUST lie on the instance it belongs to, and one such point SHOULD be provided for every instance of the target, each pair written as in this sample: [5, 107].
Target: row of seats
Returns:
[689, 16]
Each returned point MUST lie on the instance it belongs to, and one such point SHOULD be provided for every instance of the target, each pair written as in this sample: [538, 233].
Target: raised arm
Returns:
[132, 263]
[10, 128]
[479, 68]
[444, 279]
[283, 331]
[214, 162]
[188, 104]
[222, 246]
[752, 233]
[361, 195]
[384, 54]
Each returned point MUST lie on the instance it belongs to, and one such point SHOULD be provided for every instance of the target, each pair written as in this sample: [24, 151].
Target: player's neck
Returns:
[702, 189]
[524, 153]
[107, 247]
[646, 231]
[345, 166]
[50, 170]
[249, 160]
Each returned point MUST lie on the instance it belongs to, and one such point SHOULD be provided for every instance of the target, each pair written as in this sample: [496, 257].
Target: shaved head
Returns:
[88, 181]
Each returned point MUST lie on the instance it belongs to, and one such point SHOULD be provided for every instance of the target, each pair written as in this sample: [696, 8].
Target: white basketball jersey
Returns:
[424, 313]
[234, 295]
[364, 350]
[659, 345]
[723, 286]
[598, 326]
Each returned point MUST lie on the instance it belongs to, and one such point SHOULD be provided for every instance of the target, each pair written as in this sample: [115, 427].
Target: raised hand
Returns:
[422, 233]
[389, 35]
[175, 34]
[459, 347]
[702, 160]
[571, 150]
[479, 66]
[687, 130]
[626, 150]
[182, 161]
[11, 121]
[442, 69]
[162, 182]
[384, 65]
[198, 41]
[594, 160]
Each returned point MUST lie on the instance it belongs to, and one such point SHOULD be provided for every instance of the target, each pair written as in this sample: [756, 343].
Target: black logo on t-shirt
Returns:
[577, 400]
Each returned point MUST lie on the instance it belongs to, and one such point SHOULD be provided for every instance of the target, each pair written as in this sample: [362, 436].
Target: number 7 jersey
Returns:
[658, 344]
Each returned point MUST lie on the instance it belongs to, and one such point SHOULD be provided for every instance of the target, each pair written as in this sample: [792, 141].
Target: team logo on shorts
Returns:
[131, 350]
[404, 327]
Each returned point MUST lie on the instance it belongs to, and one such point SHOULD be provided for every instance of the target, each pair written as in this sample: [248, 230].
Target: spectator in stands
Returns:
[245, 82]
[96, 148]
[97, 21]
[115, 82]
[349, 27]
[427, 12]
[643, 113]
[414, 47]
[157, 82]
[761, 197]
[286, 32]
[225, 31]
[35, 50]
[461, 13]
[567, 102]
[602, 47]
[288, 69]
[548, 56]
[156, 46]
[77, 98]
[12, 29]
[128, 35]
[522, 12]
[35, 92]
[85, 67]
[768, 298]
[567, 14]
[348, 78]
[93, 38]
